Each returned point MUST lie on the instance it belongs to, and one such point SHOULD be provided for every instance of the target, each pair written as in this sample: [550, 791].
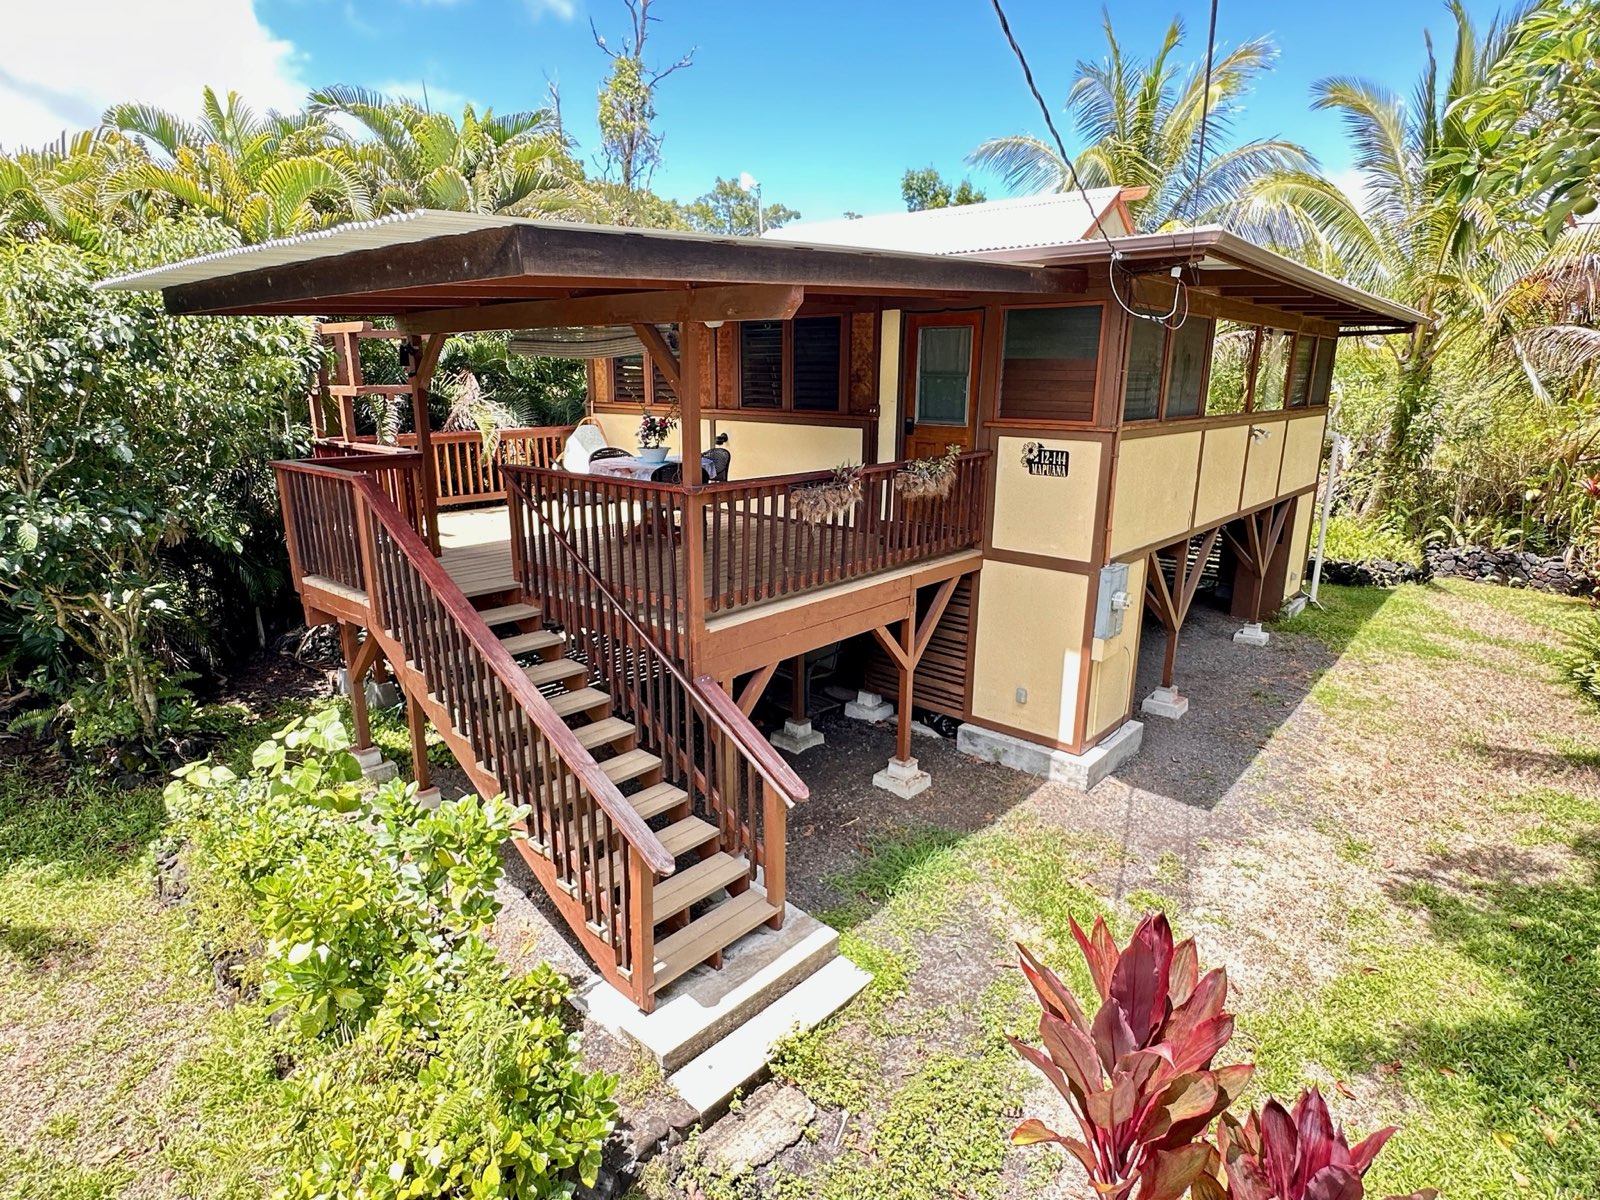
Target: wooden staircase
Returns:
[709, 902]
[656, 814]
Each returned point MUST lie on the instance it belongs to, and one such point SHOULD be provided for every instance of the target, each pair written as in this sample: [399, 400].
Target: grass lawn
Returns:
[1402, 886]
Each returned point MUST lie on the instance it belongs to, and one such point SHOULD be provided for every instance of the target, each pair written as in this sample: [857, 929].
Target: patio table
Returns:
[633, 467]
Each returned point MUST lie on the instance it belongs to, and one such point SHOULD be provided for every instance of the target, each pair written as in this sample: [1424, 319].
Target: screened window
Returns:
[761, 364]
[1232, 357]
[1189, 344]
[1141, 397]
[1322, 373]
[1049, 366]
[816, 363]
[944, 374]
[1272, 371]
[1305, 349]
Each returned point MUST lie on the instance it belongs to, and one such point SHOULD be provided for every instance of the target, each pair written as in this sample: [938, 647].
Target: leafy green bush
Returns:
[1583, 668]
[428, 1070]
[1352, 540]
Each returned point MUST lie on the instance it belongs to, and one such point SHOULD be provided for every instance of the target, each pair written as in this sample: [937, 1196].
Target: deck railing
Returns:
[463, 472]
[757, 548]
[595, 854]
[657, 546]
[319, 514]
[735, 779]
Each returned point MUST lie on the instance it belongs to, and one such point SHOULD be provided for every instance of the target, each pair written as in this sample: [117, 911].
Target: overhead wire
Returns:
[1180, 296]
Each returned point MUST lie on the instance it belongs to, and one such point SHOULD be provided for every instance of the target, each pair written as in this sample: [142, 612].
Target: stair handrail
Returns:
[639, 836]
[729, 719]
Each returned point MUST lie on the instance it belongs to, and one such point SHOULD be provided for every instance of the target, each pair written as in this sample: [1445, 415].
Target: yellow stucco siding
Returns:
[1029, 635]
[1153, 496]
[1046, 514]
[1115, 660]
[1302, 453]
[761, 448]
[1221, 469]
[1261, 467]
[889, 385]
[1294, 580]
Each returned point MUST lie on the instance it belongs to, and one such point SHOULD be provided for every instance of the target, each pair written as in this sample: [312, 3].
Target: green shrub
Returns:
[1352, 540]
[1583, 667]
[427, 1069]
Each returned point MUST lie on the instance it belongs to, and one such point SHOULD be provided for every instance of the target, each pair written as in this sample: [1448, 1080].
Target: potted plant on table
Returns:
[654, 430]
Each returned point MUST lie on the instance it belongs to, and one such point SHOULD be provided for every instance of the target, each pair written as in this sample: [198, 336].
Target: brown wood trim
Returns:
[769, 764]
[1143, 429]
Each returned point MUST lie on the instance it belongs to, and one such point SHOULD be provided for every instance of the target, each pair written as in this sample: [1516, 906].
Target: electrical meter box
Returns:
[1112, 600]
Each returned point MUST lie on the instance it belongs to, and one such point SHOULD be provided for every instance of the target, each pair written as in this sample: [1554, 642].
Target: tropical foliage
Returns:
[136, 506]
[1140, 122]
[426, 1069]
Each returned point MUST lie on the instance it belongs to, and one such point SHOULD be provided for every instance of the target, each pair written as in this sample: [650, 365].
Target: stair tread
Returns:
[507, 613]
[629, 765]
[677, 892]
[600, 733]
[528, 643]
[682, 836]
[657, 799]
[716, 930]
[578, 701]
[556, 671]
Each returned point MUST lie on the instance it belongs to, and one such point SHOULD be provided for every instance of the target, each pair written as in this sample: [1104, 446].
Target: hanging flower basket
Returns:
[928, 478]
[819, 502]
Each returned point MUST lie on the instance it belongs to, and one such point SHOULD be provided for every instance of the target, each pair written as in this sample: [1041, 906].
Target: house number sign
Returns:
[1041, 460]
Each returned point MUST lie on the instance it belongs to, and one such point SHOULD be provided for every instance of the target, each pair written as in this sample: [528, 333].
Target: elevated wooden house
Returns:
[1127, 408]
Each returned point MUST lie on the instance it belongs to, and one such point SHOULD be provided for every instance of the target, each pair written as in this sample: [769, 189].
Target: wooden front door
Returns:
[940, 400]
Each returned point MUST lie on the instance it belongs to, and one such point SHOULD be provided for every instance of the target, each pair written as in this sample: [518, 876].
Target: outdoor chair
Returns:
[582, 443]
[717, 459]
[609, 452]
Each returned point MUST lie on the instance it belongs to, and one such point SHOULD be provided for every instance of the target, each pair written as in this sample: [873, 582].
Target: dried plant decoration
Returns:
[819, 502]
[929, 478]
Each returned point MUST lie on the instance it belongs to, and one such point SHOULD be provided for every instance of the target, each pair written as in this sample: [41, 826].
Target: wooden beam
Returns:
[891, 646]
[661, 354]
[739, 302]
[425, 359]
[750, 694]
[930, 619]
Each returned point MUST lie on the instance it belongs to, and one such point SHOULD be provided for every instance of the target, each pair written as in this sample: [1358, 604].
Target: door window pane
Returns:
[1189, 343]
[944, 374]
[1141, 396]
[1272, 371]
[1232, 350]
[1049, 369]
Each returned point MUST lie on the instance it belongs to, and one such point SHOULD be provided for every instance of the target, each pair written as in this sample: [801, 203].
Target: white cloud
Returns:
[561, 10]
[1353, 184]
[63, 63]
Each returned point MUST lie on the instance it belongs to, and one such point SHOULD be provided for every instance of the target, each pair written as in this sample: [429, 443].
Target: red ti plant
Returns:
[1138, 1077]
[1290, 1154]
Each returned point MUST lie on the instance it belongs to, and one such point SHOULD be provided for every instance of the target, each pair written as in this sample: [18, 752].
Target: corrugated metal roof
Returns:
[1022, 222]
[392, 230]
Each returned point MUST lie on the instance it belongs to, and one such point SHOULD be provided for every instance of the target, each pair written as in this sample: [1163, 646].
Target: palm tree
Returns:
[61, 191]
[1419, 236]
[1140, 125]
[416, 158]
[266, 176]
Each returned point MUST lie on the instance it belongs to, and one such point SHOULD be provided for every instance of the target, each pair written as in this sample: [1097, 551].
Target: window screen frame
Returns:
[786, 384]
[1097, 415]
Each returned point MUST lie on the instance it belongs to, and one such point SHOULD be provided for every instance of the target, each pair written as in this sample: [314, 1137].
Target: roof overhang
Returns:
[439, 265]
[1225, 263]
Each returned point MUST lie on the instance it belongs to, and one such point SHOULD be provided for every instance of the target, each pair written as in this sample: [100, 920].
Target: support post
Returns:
[358, 659]
[421, 775]
[694, 525]
[424, 356]
[797, 735]
[902, 776]
[774, 839]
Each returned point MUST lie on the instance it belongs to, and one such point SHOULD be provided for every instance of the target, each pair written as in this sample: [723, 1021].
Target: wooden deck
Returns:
[475, 550]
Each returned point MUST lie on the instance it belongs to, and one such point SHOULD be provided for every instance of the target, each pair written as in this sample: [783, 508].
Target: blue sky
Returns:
[826, 102]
